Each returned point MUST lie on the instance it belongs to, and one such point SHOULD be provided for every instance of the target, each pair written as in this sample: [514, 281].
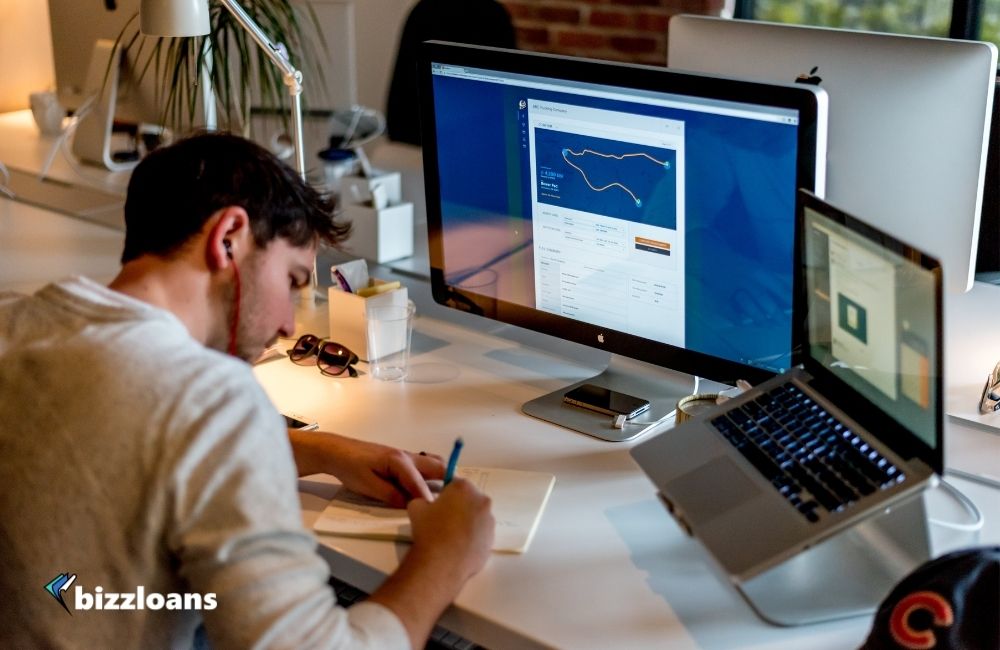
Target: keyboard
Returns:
[813, 459]
[440, 639]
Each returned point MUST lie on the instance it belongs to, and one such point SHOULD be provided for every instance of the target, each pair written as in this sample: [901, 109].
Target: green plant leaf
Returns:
[236, 60]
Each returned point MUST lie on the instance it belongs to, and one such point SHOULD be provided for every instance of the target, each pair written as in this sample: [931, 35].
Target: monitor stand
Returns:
[93, 136]
[661, 386]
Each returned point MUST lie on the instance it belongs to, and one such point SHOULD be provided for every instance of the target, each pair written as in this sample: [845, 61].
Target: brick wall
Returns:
[620, 30]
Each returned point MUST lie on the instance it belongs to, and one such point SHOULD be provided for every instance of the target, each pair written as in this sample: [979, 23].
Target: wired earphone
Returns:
[236, 307]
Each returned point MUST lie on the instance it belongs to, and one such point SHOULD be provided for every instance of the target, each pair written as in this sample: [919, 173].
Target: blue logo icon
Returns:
[58, 585]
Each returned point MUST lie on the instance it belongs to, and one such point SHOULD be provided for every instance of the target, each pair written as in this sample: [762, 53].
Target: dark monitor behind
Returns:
[637, 210]
[988, 256]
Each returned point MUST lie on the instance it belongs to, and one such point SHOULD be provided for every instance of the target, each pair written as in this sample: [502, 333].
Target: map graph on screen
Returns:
[607, 177]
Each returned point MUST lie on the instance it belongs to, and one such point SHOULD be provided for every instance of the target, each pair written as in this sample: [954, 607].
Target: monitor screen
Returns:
[634, 209]
[873, 312]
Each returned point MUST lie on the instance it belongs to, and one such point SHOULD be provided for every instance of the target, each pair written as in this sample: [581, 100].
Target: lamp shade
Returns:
[174, 17]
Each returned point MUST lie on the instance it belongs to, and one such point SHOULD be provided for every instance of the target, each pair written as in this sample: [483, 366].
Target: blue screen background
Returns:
[740, 206]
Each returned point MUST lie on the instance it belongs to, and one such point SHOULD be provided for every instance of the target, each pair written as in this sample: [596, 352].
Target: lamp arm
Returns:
[269, 47]
[292, 77]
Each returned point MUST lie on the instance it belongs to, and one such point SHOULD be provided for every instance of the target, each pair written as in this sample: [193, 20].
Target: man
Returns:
[140, 458]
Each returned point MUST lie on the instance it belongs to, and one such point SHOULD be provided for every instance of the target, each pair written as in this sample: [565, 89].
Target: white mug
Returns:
[47, 111]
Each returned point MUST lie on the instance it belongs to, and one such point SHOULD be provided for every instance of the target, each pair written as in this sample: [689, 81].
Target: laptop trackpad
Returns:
[711, 489]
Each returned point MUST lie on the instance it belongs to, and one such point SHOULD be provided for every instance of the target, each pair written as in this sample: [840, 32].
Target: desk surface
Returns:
[22, 147]
[608, 567]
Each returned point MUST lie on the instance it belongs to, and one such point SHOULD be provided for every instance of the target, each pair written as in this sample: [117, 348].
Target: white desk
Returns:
[38, 246]
[972, 336]
[22, 147]
[608, 567]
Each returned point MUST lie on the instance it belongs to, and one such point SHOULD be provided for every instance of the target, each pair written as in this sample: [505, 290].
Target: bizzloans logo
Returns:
[137, 600]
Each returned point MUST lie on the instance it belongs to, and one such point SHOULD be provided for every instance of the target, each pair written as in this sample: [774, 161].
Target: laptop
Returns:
[908, 123]
[856, 426]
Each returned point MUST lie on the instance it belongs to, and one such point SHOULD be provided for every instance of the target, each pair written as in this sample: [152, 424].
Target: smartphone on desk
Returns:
[605, 400]
[297, 422]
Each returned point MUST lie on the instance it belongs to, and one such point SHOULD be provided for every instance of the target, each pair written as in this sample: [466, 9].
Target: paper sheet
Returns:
[518, 500]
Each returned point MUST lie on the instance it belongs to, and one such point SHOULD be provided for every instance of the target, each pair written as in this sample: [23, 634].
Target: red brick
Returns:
[648, 21]
[656, 58]
[521, 11]
[587, 40]
[675, 7]
[610, 55]
[612, 18]
[532, 36]
[633, 44]
[702, 6]
[570, 15]
[645, 3]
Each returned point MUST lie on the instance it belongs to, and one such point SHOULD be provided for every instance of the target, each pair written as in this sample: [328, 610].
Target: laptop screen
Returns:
[873, 317]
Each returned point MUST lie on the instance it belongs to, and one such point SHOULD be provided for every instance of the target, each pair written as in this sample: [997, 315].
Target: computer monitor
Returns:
[83, 45]
[76, 28]
[988, 256]
[909, 120]
[633, 209]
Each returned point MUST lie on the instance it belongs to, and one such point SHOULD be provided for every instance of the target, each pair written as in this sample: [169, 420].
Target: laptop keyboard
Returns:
[815, 461]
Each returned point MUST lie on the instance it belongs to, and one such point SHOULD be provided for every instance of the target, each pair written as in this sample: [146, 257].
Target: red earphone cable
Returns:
[234, 325]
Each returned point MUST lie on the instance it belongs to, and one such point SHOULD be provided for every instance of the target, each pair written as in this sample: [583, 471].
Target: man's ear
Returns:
[229, 237]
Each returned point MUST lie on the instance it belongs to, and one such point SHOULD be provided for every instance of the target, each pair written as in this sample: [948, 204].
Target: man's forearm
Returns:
[313, 451]
[425, 583]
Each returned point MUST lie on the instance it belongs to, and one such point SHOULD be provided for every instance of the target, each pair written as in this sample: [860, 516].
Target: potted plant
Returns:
[230, 60]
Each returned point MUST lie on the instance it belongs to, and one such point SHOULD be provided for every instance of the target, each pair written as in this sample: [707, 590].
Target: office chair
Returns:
[478, 22]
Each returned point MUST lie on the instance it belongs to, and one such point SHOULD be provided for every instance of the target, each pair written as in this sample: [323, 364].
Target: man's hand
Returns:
[377, 471]
[458, 525]
[452, 538]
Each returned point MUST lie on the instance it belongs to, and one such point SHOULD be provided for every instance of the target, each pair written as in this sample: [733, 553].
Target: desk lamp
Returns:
[190, 18]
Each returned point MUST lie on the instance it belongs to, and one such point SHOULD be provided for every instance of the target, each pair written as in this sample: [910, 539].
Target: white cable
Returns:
[969, 507]
[71, 125]
[5, 185]
[620, 421]
[62, 144]
[64, 138]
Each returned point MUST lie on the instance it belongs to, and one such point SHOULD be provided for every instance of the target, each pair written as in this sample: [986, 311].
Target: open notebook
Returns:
[518, 501]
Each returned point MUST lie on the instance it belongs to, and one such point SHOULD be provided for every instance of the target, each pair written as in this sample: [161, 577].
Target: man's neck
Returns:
[174, 286]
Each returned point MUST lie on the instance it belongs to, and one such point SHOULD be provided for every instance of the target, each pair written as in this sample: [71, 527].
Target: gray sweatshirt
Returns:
[148, 466]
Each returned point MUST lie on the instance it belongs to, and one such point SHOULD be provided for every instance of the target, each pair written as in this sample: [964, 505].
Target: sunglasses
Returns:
[990, 400]
[332, 358]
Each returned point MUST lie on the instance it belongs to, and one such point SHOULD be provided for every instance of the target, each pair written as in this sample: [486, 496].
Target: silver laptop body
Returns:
[868, 318]
[908, 124]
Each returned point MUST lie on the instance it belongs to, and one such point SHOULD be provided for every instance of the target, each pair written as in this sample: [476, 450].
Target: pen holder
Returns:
[380, 235]
[349, 315]
[381, 190]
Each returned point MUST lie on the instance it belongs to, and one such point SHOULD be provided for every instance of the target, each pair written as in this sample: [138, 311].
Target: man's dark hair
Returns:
[175, 190]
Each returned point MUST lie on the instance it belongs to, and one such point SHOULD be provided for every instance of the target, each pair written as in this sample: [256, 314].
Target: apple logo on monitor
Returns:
[600, 338]
[809, 78]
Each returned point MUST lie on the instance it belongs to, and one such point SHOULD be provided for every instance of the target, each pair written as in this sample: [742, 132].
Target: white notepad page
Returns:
[518, 499]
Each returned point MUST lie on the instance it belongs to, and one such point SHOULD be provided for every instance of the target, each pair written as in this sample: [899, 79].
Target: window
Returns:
[972, 19]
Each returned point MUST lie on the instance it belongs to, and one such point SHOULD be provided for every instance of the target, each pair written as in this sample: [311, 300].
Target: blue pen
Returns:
[453, 461]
